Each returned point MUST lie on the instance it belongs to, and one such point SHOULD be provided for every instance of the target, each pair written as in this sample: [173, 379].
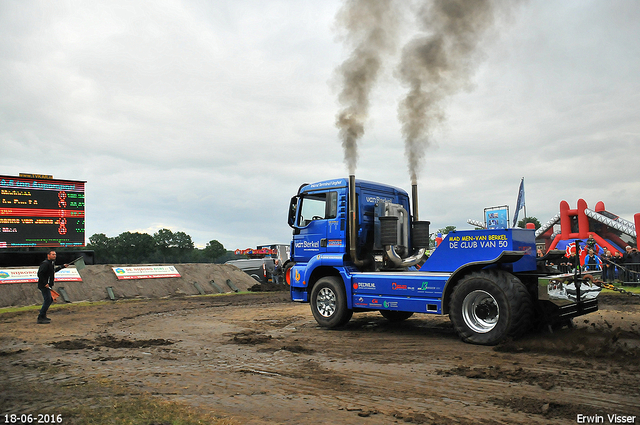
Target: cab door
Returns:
[312, 224]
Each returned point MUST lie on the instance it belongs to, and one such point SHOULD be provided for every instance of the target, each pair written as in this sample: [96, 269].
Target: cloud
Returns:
[205, 117]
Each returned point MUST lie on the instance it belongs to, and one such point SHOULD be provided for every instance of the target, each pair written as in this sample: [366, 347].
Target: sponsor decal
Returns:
[398, 286]
[478, 241]
[145, 272]
[364, 285]
[425, 286]
[377, 199]
[332, 183]
[307, 244]
[390, 304]
[31, 276]
[361, 302]
[297, 277]
[375, 303]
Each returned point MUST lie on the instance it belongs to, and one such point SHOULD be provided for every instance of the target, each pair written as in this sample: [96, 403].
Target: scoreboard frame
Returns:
[40, 211]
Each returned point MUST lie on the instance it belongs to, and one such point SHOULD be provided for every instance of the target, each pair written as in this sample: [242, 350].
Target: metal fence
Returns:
[627, 274]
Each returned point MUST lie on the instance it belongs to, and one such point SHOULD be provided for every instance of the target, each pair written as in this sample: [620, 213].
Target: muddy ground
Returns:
[260, 359]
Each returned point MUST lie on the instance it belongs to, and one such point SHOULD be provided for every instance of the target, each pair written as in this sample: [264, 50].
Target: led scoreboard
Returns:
[39, 211]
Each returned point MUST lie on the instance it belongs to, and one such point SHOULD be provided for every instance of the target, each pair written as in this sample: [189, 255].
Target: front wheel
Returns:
[329, 302]
[489, 306]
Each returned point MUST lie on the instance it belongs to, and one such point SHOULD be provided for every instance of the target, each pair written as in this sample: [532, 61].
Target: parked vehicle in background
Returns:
[261, 269]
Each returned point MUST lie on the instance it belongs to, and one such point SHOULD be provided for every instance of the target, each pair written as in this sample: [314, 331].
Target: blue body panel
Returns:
[468, 246]
[410, 291]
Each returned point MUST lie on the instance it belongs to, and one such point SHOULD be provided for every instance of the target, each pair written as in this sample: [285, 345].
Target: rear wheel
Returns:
[329, 302]
[396, 316]
[489, 306]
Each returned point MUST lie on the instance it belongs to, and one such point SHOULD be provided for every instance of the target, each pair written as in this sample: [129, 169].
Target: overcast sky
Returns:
[206, 116]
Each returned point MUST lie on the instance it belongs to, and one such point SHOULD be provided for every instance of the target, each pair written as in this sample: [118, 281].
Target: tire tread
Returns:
[520, 307]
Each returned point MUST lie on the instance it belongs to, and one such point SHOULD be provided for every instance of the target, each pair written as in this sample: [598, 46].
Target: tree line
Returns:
[164, 246]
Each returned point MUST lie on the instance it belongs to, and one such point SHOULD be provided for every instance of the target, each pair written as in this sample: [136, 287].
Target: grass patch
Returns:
[81, 400]
[139, 410]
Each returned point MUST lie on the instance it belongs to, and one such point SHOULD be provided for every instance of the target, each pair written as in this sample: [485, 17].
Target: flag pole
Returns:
[525, 203]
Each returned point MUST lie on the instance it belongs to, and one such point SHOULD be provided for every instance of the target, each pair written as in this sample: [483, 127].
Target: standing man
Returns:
[608, 267]
[277, 270]
[46, 274]
[627, 260]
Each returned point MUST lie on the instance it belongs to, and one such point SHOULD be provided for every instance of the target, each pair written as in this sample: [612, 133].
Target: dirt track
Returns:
[259, 359]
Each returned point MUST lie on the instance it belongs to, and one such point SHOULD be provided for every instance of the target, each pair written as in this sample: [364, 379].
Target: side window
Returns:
[332, 205]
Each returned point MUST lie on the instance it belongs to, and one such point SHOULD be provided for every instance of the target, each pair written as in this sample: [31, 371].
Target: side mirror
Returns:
[293, 209]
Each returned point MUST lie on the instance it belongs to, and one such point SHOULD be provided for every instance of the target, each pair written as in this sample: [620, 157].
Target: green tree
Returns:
[172, 246]
[133, 248]
[213, 250]
[522, 223]
[183, 246]
[102, 247]
[446, 230]
[163, 240]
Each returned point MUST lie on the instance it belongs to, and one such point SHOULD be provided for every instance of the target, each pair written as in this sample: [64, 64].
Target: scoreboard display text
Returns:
[41, 212]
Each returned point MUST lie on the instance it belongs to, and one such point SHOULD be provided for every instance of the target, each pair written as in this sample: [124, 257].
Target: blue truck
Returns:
[357, 247]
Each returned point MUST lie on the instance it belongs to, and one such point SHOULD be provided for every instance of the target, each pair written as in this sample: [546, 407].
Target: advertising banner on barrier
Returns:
[145, 272]
[31, 275]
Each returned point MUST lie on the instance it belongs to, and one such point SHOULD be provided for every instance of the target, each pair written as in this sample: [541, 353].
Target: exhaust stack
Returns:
[414, 199]
[419, 231]
[352, 223]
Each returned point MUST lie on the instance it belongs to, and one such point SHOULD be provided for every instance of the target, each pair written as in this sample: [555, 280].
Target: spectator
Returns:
[592, 262]
[617, 260]
[277, 270]
[591, 243]
[571, 262]
[627, 263]
[608, 267]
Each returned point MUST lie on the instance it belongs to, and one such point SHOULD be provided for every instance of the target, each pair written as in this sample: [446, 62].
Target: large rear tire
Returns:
[329, 303]
[489, 306]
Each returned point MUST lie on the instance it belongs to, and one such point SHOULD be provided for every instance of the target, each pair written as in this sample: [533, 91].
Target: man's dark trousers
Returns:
[48, 300]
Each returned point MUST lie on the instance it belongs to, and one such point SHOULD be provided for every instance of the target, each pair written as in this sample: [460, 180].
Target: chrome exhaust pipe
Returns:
[419, 230]
[404, 262]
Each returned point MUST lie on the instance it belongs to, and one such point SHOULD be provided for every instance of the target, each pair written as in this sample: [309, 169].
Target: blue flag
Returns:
[520, 203]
